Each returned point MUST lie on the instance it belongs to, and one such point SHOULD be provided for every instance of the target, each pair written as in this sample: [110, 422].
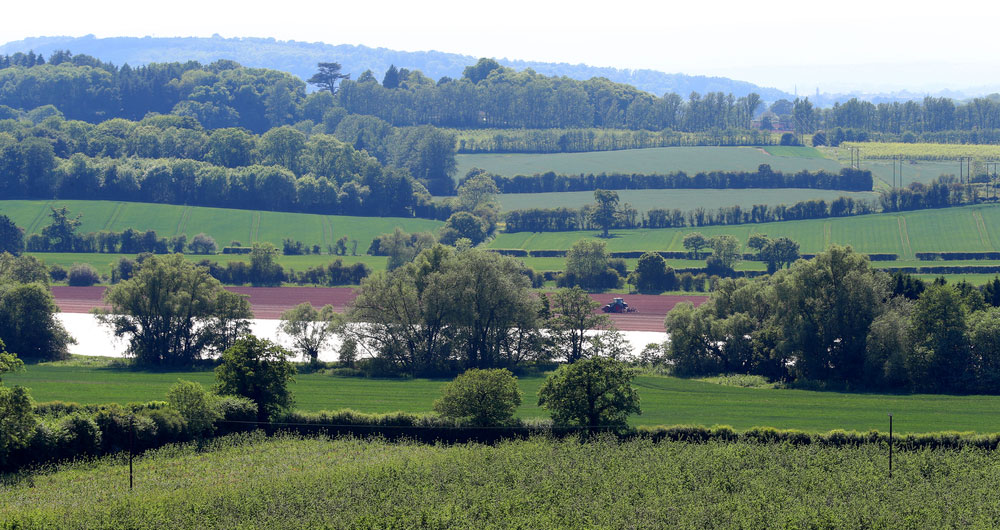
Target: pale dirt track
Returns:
[270, 302]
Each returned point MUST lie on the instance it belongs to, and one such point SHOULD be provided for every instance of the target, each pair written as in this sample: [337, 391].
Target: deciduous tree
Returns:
[482, 397]
[595, 393]
[260, 371]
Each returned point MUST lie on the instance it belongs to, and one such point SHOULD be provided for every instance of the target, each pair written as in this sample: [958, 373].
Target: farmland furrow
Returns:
[182, 223]
[254, 226]
[981, 227]
[114, 216]
[33, 227]
[904, 237]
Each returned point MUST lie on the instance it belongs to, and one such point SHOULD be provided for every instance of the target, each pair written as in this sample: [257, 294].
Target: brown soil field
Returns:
[270, 302]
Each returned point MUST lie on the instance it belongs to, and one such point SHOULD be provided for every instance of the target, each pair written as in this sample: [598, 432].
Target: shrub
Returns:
[194, 404]
[482, 397]
[57, 273]
[78, 435]
[83, 275]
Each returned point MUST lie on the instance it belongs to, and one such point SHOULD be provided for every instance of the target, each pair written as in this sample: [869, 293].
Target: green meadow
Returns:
[224, 225]
[649, 161]
[665, 400]
[964, 229]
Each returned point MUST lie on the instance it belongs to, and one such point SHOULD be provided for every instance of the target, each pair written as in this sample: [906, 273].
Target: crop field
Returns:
[654, 160]
[223, 224]
[291, 482]
[970, 228]
[924, 151]
[665, 400]
[682, 199]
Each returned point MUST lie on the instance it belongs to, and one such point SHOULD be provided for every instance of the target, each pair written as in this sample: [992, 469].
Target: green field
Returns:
[965, 229]
[104, 262]
[285, 482]
[648, 161]
[223, 224]
[794, 151]
[665, 400]
[685, 199]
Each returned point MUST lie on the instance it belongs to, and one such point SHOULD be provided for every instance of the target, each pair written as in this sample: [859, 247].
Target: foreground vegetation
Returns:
[287, 482]
[665, 400]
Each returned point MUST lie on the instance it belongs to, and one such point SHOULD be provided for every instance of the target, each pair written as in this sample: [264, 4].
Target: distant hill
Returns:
[300, 58]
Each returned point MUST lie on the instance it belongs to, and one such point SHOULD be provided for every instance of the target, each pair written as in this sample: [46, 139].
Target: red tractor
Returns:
[618, 305]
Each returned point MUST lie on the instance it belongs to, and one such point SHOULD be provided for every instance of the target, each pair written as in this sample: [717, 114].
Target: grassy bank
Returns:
[665, 400]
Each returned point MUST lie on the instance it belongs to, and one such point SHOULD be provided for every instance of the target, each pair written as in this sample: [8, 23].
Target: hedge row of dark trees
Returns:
[375, 191]
[932, 115]
[261, 270]
[569, 219]
[584, 140]
[939, 193]
[848, 179]
[834, 320]
[30, 152]
[225, 94]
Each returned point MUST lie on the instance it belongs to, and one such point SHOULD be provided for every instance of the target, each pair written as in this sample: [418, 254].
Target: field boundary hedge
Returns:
[636, 254]
[847, 179]
[956, 256]
[67, 431]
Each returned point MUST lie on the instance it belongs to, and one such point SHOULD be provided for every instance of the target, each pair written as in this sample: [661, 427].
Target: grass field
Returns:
[970, 228]
[655, 160]
[665, 400]
[104, 262]
[684, 199]
[249, 481]
[223, 224]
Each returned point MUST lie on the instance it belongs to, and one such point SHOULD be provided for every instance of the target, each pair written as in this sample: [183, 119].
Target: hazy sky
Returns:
[780, 43]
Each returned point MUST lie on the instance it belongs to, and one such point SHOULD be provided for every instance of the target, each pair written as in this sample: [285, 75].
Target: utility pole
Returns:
[131, 448]
[890, 445]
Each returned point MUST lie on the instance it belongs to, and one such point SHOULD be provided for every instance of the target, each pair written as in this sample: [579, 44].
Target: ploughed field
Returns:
[270, 302]
[287, 482]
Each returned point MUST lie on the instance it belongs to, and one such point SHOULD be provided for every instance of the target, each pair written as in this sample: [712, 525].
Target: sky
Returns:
[867, 45]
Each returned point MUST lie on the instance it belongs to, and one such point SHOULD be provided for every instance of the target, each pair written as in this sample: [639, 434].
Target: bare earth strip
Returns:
[270, 302]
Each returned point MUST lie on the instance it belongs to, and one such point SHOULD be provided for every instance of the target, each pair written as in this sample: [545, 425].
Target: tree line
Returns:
[374, 191]
[935, 119]
[585, 140]
[32, 148]
[848, 179]
[564, 219]
[939, 193]
[222, 94]
[834, 320]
